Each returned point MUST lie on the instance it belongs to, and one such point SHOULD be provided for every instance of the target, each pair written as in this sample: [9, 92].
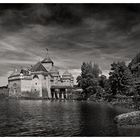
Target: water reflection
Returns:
[98, 120]
[59, 118]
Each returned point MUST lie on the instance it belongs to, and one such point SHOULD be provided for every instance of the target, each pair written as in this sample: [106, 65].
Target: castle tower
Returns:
[55, 74]
[67, 78]
[47, 62]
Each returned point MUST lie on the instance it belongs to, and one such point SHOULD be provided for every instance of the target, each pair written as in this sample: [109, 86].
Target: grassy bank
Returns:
[120, 101]
[124, 102]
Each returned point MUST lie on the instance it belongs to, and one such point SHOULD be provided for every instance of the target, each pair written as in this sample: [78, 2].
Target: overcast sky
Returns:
[72, 33]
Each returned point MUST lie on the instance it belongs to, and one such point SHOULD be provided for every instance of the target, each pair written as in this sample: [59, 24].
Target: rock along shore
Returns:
[128, 119]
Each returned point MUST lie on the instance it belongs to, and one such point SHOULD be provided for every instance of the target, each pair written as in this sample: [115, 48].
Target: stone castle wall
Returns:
[15, 88]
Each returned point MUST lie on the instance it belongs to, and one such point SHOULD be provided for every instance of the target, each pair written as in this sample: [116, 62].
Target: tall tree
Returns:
[121, 80]
[102, 81]
[88, 80]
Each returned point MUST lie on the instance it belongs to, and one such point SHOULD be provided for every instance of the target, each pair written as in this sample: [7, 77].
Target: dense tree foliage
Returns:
[135, 60]
[121, 80]
[103, 81]
[88, 80]
[134, 66]
[105, 85]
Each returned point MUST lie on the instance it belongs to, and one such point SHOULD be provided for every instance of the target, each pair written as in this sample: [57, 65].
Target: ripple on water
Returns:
[59, 118]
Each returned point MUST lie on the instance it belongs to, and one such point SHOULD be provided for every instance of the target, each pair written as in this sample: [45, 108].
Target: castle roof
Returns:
[15, 73]
[24, 71]
[66, 73]
[47, 60]
[38, 67]
[54, 71]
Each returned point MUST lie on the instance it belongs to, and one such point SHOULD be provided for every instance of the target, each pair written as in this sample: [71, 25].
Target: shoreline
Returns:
[123, 103]
[115, 103]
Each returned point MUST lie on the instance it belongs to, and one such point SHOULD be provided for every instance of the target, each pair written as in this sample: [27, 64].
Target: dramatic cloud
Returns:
[73, 33]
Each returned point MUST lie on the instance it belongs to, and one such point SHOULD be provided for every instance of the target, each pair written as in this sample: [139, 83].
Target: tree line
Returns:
[121, 81]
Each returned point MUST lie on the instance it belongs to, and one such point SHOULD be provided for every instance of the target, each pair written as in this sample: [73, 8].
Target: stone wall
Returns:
[47, 85]
[25, 87]
[36, 85]
[14, 88]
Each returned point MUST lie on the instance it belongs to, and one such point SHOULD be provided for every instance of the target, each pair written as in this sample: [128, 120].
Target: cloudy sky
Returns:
[73, 33]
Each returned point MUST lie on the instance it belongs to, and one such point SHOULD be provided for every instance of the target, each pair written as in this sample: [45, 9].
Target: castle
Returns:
[40, 81]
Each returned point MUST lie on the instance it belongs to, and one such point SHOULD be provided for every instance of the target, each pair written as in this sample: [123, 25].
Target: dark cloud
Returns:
[121, 16]
[73, 33]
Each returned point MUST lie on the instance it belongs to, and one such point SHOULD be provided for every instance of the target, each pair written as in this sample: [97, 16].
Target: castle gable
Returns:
[47, 60]
[38, 67]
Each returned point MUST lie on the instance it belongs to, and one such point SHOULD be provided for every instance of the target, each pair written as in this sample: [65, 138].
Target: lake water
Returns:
[60, 118]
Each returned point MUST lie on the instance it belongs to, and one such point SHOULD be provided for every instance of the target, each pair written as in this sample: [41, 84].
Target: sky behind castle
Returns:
[73, 33]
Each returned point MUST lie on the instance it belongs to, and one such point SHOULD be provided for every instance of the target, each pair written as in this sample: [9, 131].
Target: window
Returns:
[35, 76]
[14, 84]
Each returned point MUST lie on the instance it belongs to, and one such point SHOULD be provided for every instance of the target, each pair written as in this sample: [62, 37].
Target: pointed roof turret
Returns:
[47, 59]
[66, 73]
[38, 67]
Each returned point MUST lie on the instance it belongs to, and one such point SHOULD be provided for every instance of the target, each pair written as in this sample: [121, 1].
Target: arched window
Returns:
[35, 76]
[15, 85]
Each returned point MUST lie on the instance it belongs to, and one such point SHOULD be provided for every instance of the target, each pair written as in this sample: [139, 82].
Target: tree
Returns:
[102, 81]
[88, 80]
[96, 70]
[120, 79]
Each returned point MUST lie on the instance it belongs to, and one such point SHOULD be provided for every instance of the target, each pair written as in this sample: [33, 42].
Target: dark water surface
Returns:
[59, 118]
